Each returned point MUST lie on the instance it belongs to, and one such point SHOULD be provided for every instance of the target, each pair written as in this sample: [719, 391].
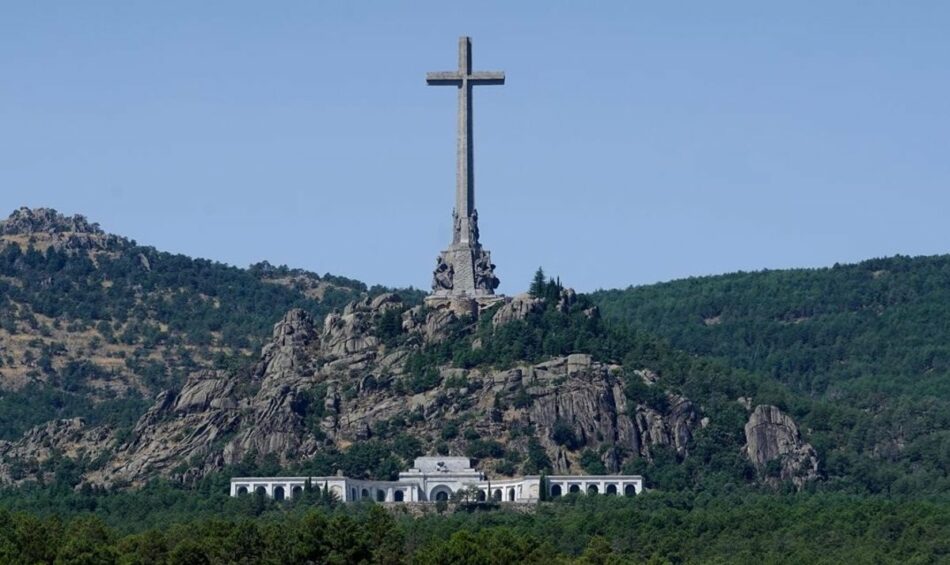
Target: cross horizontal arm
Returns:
[447, 77]
[455, 78]
[487, 77]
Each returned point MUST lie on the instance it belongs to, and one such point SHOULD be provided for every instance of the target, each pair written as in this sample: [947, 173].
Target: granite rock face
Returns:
[180, 429]
[518, 308]
[331, 386]
[70, 438]
[772, 436]
[274, 418]
[588, 397]
[349, 333]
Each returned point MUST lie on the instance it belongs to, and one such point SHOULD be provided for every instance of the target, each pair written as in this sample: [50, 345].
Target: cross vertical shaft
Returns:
[465, 177]
[464, 79]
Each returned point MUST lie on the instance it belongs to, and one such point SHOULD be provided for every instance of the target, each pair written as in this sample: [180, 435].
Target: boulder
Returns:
[772, 435]
[204, 390]
[517, 309]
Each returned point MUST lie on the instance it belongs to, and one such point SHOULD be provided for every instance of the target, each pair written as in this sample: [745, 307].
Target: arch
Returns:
[440, 492]
[398, 496]
[555, 491]
[242, 491]
[296, 491]
[279, 493]
[511, 494]
[574, 489]
[592, 489]
[612, 490]
[496, 495]
[481, 496]
[352, 493]
[261, 491]
[629, 490]
[380, 495]
[364, 494]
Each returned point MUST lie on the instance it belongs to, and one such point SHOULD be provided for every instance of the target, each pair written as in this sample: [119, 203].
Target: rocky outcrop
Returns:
[64, 233]
[180, 435]
[70, 438]
[351, 332]
[218, 418]
[276, 414]
[25, 221]
[518, 308]
[206, 391]
[567, 299]
[431, 325]
[573, 391]
[287, 351]
[673, 428]
[588, 398]
[775, 447]
[332, 386]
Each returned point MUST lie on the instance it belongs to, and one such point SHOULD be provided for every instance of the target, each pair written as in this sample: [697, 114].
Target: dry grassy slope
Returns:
[43, 350]
[67, 340]
[306, 284]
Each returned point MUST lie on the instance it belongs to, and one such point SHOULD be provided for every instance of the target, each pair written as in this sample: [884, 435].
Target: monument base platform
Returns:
[464, 304]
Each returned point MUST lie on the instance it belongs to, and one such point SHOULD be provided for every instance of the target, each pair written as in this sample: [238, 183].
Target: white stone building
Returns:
[438, 478]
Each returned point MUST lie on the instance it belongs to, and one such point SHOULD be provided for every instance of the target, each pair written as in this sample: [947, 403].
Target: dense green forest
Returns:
[864, 349]
[856, 332]
[737, 527]
[166, 522]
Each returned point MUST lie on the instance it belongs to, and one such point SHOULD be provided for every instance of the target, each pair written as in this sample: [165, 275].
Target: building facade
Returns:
[438, 478]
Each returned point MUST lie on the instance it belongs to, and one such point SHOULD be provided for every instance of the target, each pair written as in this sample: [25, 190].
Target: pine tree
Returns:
[538, 284]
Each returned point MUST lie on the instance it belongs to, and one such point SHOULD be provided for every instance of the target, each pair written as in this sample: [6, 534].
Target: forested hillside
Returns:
[94, 325]
[869, 343]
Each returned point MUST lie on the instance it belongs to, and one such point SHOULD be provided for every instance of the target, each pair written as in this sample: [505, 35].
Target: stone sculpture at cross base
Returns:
[464, 276]
[465, 269]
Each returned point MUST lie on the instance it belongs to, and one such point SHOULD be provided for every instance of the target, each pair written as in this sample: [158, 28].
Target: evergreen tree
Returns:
[538, 284]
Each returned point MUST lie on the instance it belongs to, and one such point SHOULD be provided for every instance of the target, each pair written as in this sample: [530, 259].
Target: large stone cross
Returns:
[464, 272]
[464, 79]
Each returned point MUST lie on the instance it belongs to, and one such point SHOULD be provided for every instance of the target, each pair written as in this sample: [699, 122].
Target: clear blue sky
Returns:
[634, 141]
